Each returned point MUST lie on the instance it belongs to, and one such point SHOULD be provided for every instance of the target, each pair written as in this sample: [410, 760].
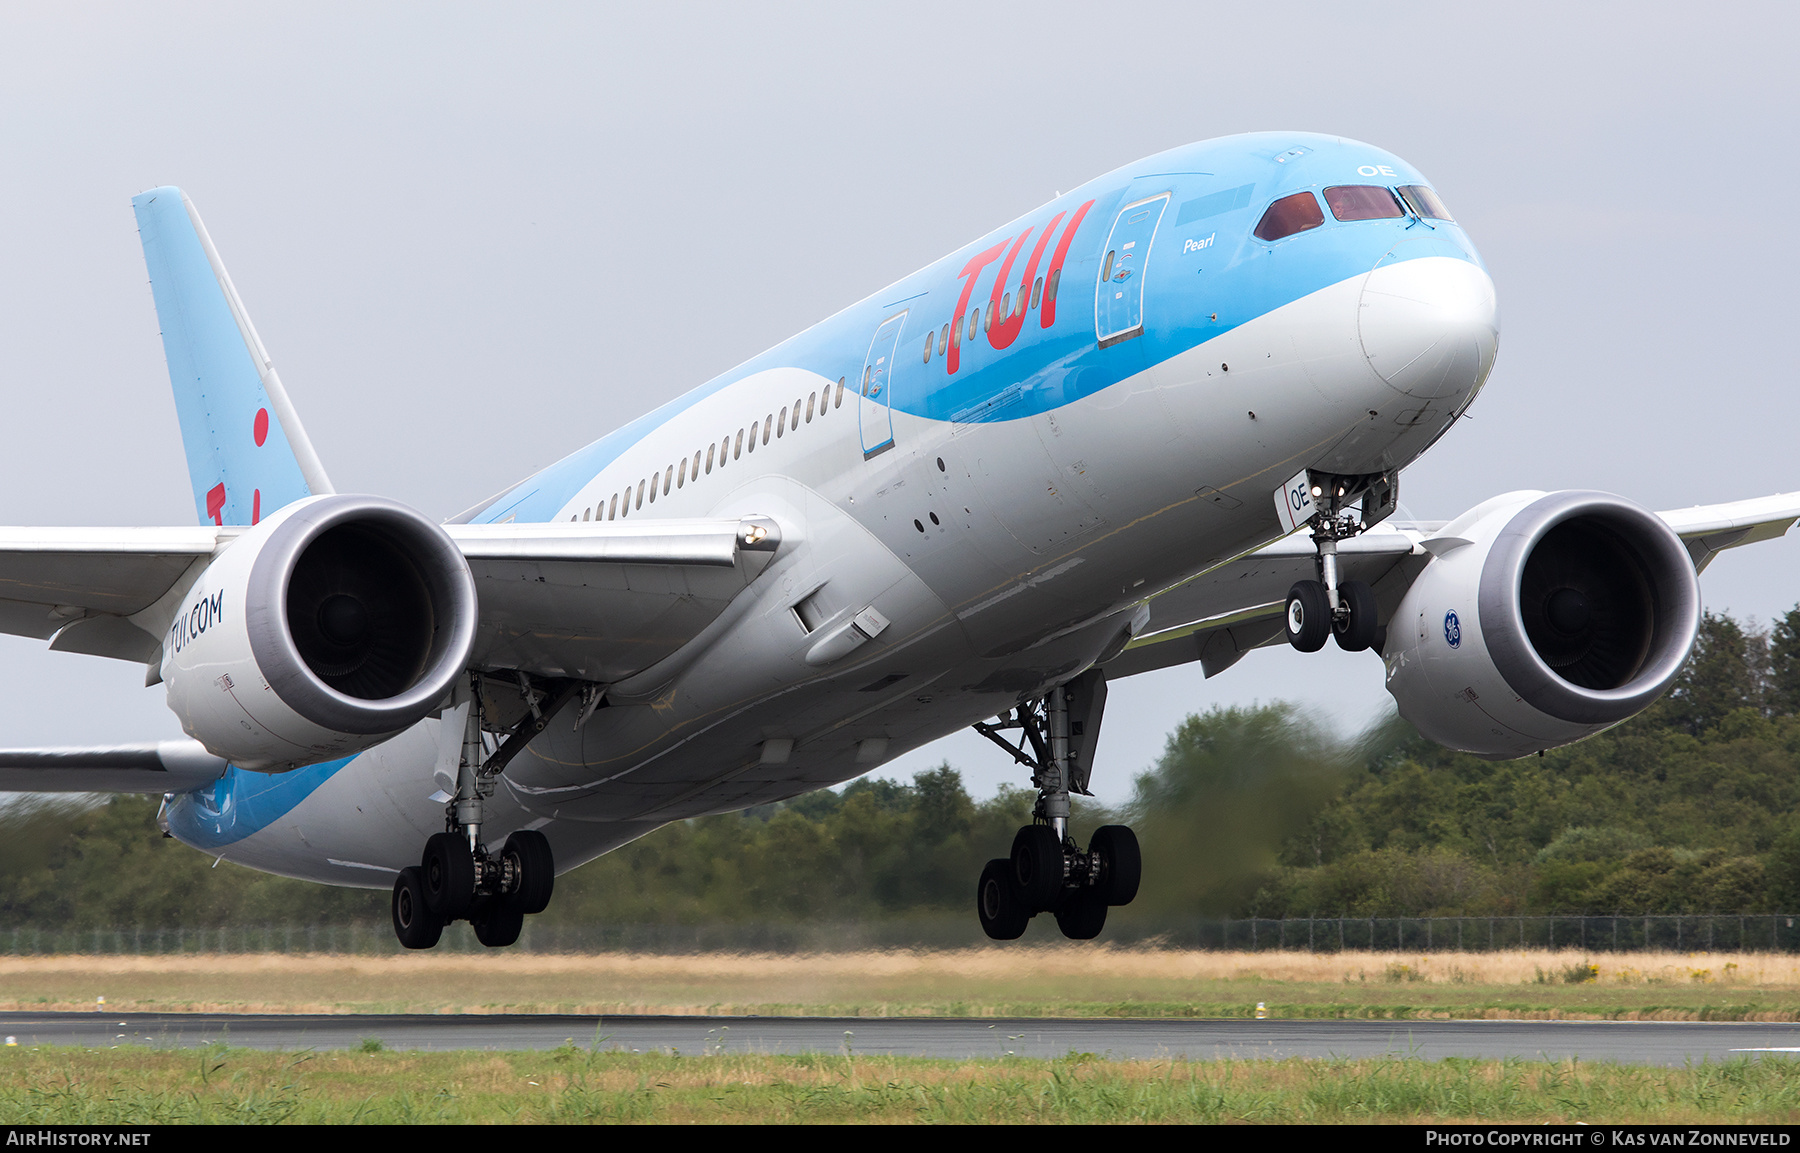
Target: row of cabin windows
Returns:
[1040, 292]
[730, 448]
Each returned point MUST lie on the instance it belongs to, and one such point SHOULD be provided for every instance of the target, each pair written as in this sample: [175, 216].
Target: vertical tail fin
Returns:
[246, 450]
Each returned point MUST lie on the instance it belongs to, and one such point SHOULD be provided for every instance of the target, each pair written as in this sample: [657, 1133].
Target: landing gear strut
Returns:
[1329, 607]
[1047, 872]
[459, 877]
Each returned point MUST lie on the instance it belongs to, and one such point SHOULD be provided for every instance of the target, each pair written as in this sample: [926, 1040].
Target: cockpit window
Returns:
[1363, 202]
[1425, 202]
[1289, 215]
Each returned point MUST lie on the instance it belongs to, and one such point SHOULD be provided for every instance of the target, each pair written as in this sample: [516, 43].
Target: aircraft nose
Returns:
[1429, 324]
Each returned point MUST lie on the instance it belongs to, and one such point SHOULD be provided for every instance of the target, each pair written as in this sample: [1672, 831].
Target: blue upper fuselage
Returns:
[1205, 274]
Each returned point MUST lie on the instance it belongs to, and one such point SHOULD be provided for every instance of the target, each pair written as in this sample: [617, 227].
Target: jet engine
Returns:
[1541, 619]
[321, 632]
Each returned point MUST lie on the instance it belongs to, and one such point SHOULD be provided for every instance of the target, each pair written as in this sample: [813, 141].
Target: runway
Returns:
[1631, 1042]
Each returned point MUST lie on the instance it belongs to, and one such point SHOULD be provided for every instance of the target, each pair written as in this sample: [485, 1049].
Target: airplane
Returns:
[970, 499]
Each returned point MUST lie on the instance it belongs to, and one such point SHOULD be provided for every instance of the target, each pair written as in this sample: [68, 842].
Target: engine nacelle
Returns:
[321, 632]
[1541, 619]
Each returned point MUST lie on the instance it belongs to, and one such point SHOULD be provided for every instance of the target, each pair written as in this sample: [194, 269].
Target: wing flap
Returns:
[600, 601]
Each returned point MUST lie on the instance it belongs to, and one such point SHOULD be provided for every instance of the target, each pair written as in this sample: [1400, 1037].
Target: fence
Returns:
[1687, 933]
[1759, 932]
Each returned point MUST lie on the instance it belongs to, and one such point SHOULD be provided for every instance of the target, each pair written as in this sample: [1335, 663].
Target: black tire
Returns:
[413, 922]
[448, 875]
[1356, 631]
[529, 851]
[1308, 616]
[1081, 916]
[1121, 863]
[1003, 916]
[1037, 860]
[499, 924]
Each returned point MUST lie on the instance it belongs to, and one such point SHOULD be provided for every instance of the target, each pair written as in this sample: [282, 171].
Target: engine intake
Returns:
[353, 617]
[1585, 605]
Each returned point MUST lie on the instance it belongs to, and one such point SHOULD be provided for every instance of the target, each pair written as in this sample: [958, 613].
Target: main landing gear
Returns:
[1328, 607]
[459, 877]
[1047, 871]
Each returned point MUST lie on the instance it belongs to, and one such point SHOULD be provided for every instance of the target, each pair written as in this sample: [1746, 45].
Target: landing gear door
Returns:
[1119, 296]
[874, 416]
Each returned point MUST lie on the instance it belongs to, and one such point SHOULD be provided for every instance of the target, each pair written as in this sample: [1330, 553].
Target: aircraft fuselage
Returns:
[1000, 456]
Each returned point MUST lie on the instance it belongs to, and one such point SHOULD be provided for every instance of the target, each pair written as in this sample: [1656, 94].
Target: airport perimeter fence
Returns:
[1756, 932]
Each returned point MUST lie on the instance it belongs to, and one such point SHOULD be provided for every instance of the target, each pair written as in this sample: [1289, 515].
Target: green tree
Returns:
[1721, 675]
[1784, 665]
[1231, 787]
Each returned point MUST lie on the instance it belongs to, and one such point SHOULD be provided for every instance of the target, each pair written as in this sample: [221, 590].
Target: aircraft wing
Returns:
[81, 588]
[1223, 613]
[600, 601]
[164, 767]
[597, 601]
[1709, 530]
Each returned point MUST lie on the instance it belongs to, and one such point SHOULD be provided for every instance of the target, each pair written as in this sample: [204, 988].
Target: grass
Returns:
[1058, 981]
[572, 1084]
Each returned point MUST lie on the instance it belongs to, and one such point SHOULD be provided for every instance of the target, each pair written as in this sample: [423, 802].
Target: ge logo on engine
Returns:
[1452, 629]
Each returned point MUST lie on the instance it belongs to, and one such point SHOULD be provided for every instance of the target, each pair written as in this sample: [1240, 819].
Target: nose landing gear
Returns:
[1047, 871]
[1318, 610]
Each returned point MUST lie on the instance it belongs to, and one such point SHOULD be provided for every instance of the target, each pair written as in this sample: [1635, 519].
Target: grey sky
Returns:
[476, 238]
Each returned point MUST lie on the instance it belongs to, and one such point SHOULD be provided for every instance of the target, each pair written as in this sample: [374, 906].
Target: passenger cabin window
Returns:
[1289, 215]
[839, 402]
[795, 427]
[1425, 202]
[710, 449]
[737, 446]
[614, 514]
[1363, 202]
[781, 425]
[667, 477]
[768, 420]
[809, 406]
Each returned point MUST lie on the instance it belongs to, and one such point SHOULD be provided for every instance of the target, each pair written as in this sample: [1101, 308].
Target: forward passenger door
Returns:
[1119, 294]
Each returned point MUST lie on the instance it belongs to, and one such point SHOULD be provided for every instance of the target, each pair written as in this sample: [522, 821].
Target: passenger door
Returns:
[1119, 295]
[875, 417]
